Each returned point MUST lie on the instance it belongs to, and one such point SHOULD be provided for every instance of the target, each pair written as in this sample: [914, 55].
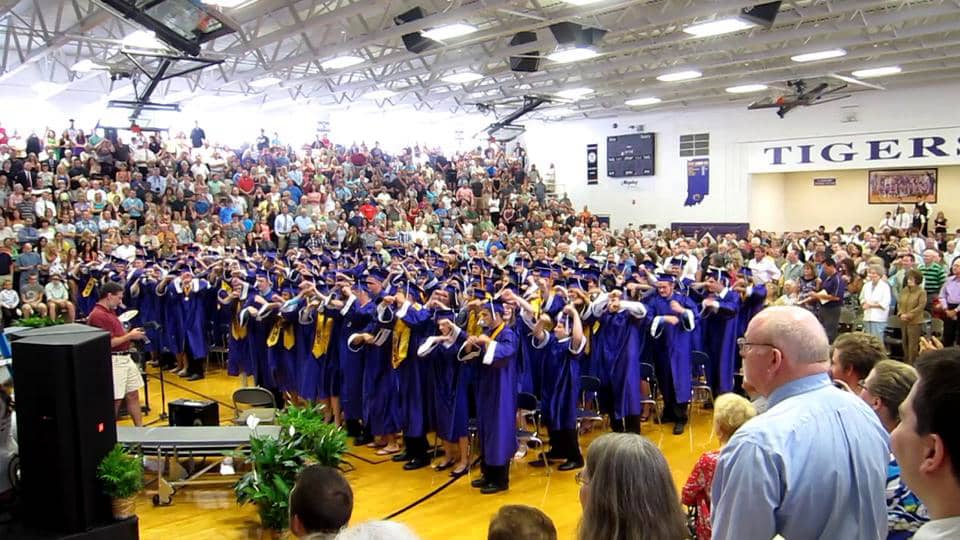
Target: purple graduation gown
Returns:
[720, 340]
[749, 307]
[619, 345]
[380, 411]
[450, 380]
[186, 317]
[671, 345]
[497, 400]
[414, 395]
[352, 319]
[561, 382]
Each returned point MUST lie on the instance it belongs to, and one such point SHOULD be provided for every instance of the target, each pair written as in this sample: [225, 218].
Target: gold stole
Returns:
[321, 339]
[88, 289]
[497, 330]
[284, 327]
[473, 328]
[237, 330]
[401, 341]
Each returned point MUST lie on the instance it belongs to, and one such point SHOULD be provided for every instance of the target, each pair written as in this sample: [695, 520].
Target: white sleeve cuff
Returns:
[637, 309]
[350, 344]
[466, 356]
[688, 320]
[527, 319]
[540, 344]
[489, 354]
[578, 350]
[264, 311]
[428, 346]
[655, 329]
[384, 314]
[346, 307]
[402, 312]
[381, 337]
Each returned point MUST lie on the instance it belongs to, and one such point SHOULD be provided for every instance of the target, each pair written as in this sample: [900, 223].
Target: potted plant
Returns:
[324, 443]
[275, 465]
[122, 477]
[276, 461]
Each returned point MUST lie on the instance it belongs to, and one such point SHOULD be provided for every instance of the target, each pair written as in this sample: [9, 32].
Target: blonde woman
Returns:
[730, 411]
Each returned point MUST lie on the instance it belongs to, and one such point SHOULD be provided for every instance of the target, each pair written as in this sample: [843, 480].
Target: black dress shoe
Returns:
[458, 473]
[479, 482]
[570, 465]
[402, 456]
[491, 488]
[445, 466]
[538, 463]
[195, 377]
[678, 428]
[416, 463]
[363, 440]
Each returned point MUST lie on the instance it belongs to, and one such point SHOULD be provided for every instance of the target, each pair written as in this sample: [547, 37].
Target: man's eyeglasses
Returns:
[742, 344]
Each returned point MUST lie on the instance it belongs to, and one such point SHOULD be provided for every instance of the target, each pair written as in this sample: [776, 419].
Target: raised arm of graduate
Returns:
[577, 339]
[636, 309]
[501, 351]
[599, 304]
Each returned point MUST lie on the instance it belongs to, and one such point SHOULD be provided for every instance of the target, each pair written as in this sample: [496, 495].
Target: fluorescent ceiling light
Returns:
[265, 82]
[747, 88]
[821, 55]
[558, 112]
[121, 91]
[680, 76]
[226, 3]
[341, 62]
[461, 78]
[582, 2]
[46, 89]
[640, 102]
[718, 27]
[143, 39]
[572, 54]
[379, 94]
[876, 72]
[575, 93]
[86, 65]
[449, 31]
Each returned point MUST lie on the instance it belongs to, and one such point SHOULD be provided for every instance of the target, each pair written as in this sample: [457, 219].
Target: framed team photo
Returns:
[907, 186]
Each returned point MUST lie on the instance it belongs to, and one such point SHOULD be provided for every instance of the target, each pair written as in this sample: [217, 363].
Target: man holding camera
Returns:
[127, 381]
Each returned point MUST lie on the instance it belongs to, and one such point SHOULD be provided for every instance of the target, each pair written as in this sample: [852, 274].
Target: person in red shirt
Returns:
[127, 381]
[730, 411]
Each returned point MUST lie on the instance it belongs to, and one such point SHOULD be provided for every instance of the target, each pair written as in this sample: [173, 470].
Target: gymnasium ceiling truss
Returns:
[276, 56]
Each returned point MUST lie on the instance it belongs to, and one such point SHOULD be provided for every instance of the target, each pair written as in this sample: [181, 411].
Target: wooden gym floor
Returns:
[382, 488]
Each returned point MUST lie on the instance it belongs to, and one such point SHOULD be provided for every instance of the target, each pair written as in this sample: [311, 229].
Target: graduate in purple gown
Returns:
[450, 387]
[351, 308]
[315, 354]
[620, 341]
[752, 298]
[718, 313]
[186, 318]
[257, 304]
[673, 319]
[282, 353]
[87, 279]
[413, 322]
[561, 352]
[143, 287]
[379, 378]
[232, 297]
[496, 351]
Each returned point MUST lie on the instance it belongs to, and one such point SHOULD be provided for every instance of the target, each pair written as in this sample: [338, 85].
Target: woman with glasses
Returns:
[626, 491]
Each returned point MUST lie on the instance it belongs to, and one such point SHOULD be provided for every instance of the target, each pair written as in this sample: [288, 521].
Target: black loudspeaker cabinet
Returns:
[530, 61]
[192, 412]
[414, 41]
[65, 424]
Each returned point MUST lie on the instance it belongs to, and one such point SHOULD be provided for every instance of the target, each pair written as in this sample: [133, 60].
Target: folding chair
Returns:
[936, 328]
[528, 408]
[259, 402]
[649, 375]
[700, 391]
[893, 337]
[589, 409]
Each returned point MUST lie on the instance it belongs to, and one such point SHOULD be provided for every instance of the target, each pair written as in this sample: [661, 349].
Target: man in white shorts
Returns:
[127, 381]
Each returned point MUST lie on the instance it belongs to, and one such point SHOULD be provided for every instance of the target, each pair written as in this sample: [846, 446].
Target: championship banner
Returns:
[592, 159]
[698, 181]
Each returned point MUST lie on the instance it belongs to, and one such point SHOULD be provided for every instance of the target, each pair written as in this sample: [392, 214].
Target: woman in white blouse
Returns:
[875, 299]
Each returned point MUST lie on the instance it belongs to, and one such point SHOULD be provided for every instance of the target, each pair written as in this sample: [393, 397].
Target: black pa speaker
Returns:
[65, 424]
[190, 412]
[762, 14]
[530, 61]
[573, 34]
[414, 41]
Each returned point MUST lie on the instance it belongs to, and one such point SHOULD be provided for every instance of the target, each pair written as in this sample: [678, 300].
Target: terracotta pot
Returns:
[124, 508]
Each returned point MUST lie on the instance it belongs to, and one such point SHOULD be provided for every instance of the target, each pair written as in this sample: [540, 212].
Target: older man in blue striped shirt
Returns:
[814, 464]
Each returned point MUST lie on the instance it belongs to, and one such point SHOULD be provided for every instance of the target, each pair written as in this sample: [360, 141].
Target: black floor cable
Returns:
[192, 391]
[427, 497]
[369, 461]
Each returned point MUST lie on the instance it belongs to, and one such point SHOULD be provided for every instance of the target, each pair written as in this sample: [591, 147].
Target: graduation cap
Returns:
[397, 251]
[117, 260]
[378, 274]
[715, 273]
[745, 272]
[649, 266]
[496, 306]
[543, 271]
[575, 282]
[663, 277]
[678, 261]
[590, 274]
[361, 286]
[193, 248]
[444, 315]
[260, 273]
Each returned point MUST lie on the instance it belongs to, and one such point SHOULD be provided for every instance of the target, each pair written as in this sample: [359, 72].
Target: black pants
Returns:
[564, 444]
[951, 329]
[195, 366]
[830, 319]
[673, 409]
[416, 447]
[498, 475]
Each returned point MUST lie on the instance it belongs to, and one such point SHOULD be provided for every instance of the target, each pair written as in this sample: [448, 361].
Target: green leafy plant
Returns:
[120, 473]
[325, 443]
[37, 322]
[276, 461]
[276, 464]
